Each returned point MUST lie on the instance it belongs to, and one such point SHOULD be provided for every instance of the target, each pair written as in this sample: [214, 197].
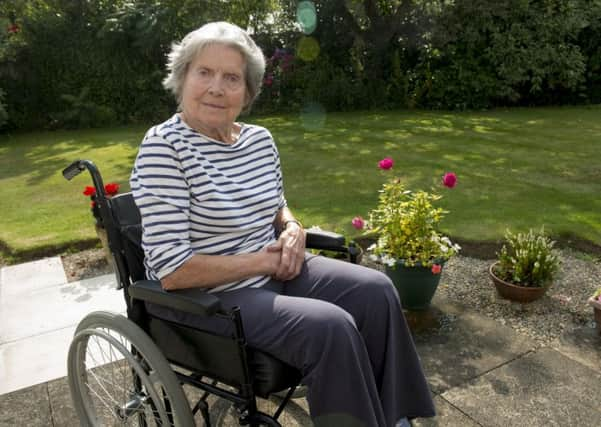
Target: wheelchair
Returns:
[131, 370]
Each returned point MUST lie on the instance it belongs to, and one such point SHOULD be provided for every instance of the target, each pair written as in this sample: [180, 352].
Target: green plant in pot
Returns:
[526, 266]
[409, 243]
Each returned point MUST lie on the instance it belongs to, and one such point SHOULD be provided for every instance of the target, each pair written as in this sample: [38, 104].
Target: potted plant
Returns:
[526, 266]
[110, 190]
[595, 302]
[409, 243]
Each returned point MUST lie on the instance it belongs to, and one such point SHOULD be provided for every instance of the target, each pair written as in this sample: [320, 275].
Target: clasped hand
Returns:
[291, 248]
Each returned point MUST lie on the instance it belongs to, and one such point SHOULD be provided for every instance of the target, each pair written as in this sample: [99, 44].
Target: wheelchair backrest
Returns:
[126, 238]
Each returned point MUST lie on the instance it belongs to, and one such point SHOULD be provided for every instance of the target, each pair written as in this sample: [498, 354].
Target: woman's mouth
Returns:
[220, 107]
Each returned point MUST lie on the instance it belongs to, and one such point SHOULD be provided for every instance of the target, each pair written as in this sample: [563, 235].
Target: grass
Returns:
[517, 168]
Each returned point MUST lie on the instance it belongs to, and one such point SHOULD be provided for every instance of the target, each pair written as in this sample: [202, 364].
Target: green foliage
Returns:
[509, 52]
[83, 113]
[528, 259]
[114, 49]
[406, 224]
[3, 113]
[372, 55]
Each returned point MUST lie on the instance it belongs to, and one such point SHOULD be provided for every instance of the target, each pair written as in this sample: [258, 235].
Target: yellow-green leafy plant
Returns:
[406, 223]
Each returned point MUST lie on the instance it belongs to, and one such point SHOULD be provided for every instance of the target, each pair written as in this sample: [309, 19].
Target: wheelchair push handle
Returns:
[78, 166]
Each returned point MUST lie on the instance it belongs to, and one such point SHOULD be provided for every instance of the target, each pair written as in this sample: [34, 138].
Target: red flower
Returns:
[449, 180]
[436, 268]
[89, 191]
[92, 204]
[386, 163]
[13, 28]
[268, 80]
[358, 222]
[111, 188]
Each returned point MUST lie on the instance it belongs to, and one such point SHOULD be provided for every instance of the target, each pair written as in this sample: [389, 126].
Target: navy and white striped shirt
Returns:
[197, 195]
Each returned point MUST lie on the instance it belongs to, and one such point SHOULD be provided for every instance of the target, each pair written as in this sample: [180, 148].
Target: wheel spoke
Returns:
[119, 377]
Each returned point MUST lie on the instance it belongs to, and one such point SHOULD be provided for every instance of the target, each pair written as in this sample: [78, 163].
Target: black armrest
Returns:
[194, 300]
[320, 239]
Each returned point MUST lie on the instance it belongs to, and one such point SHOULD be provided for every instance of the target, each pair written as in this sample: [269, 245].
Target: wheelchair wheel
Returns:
[118, 376]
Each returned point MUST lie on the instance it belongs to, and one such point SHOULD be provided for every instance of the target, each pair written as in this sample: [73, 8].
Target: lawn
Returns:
[516, 168]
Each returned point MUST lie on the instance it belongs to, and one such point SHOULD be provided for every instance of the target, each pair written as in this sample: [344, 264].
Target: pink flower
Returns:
[449, 180]
[358, 223]
[386, 163]
[436, 268]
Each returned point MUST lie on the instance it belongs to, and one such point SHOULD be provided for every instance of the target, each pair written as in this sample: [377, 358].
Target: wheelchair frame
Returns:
[238, 369]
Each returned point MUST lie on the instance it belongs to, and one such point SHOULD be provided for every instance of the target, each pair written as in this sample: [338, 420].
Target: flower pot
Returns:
[515, 292]
[101, 233]
[416, 285]
[596, 304]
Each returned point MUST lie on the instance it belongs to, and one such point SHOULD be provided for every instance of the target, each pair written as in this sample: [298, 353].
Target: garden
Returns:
[454, 145]
[503, 95]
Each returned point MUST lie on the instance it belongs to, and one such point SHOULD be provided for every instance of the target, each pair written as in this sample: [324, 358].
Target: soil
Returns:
[86, 264]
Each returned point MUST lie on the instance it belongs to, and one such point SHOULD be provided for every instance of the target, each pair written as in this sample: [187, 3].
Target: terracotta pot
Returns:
[515, 292]
[101, 233]
[596, 304]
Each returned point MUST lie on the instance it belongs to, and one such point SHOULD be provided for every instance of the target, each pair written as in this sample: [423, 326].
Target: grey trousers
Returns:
[342, 326]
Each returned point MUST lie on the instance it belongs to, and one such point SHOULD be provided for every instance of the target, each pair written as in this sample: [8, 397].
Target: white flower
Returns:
[371, 247]
[388, 260]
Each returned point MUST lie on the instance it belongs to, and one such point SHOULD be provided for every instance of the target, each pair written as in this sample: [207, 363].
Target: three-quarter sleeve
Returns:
[282, 203]
[162, 194]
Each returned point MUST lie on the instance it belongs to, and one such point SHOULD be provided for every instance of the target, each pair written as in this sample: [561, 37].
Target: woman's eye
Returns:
[203, 72]
[233, 78]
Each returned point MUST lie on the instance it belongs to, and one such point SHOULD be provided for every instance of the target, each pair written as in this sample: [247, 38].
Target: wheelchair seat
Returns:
[155, 350]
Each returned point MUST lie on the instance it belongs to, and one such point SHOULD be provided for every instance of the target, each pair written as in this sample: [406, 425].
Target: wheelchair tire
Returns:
[118, 376]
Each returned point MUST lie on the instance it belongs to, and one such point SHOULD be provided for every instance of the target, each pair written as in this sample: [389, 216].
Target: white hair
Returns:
[183, 53]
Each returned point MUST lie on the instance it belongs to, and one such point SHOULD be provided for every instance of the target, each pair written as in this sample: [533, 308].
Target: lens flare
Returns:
[313, 116]
[307, 49]
[306, 16]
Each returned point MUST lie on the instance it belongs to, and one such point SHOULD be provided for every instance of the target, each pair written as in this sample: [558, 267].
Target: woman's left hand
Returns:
[292, 246]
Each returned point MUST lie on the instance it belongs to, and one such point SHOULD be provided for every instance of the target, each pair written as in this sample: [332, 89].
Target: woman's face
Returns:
[214, 90]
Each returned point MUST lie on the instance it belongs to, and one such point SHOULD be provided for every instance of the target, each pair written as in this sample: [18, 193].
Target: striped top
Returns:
[198, 195]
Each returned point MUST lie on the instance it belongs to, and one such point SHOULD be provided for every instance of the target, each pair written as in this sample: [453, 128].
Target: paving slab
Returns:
[583, 345]
[34, 360]
[542, 388]
[56, 307]
[446, 415]
[456, 345]
[27, 407]
[23, 278]
[224, 414]
[63, 412]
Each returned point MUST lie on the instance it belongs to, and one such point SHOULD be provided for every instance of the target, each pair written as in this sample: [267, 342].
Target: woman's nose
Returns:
[216, 86]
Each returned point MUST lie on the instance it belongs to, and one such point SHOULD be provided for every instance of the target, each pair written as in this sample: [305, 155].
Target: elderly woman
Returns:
[214, 216]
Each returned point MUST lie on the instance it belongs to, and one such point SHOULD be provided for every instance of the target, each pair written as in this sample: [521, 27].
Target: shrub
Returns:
[3, 113]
